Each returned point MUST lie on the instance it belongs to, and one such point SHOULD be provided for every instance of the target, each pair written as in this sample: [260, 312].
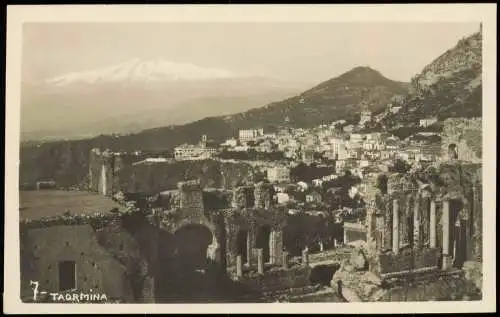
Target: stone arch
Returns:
[213, 251]
[191, 245]
[191, 265]
[458, 223]
[460, 241]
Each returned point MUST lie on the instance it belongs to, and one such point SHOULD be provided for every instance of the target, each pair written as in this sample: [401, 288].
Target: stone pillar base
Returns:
[305, 257]
[239, 266]
[260, 261]
[148, 292]
[285, 260]
[447, 262]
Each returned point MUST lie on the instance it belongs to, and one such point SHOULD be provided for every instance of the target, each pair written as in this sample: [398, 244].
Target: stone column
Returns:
[104, 180]
[305, 257]
[417, 243]
[260, 261]
[404, 237]
[370, 225]
[447, 260]
[239, 266]
[379, 222]
[278, 246]
[345, 235]
[249, 247]
[387, 231]
[272, 247]
[395, 226]
[432, 225]
[285, 260]
[468, 238]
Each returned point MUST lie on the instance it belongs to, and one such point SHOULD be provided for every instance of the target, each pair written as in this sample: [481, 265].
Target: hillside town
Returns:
[311, 193]
[307, 165]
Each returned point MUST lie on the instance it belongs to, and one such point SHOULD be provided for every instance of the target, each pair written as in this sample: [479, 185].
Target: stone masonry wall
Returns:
[466, 134]
[279, 279]
[96, 268]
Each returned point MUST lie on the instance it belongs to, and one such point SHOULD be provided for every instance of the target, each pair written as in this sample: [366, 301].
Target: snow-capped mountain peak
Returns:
[141, 70]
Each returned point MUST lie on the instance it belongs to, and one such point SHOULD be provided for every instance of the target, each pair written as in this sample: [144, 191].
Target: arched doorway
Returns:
[457, 233]
[241, 241]
[191, 245]
[452, 151]
[263, 241]
[185, 274]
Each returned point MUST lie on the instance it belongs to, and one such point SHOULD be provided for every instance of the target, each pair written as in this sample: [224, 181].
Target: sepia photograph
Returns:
[224, 160]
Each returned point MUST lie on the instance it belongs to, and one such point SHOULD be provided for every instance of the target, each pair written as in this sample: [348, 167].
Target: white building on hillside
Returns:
[428, 121]
[278, 174]
[198, 151]
[193, 152]
[230, 142]
[366, 116]
[250, 135]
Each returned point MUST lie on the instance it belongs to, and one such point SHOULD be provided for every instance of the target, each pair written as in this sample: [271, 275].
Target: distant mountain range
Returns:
[139, 94]
[140, 70]
[341, 97]
[449, 86]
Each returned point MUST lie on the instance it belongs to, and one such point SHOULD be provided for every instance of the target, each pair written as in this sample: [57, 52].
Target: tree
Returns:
[259, 177]
[333, 199]
[400, 166]
[382, 183]
[298, 172]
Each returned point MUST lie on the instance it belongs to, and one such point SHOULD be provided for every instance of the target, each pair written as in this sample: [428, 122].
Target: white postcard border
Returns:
[17, 15]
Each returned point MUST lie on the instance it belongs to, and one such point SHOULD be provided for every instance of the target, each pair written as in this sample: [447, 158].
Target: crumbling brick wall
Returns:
[244, 197]
[191, 196]
[264, 193]
[279, 279]
[97, 267]
[466, 135]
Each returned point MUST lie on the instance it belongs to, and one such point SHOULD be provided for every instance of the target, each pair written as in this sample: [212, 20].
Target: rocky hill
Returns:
[342, 97]
[150, 178]
[450, 86]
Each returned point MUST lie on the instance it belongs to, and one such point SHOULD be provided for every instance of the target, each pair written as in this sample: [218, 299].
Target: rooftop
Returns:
[35, 205]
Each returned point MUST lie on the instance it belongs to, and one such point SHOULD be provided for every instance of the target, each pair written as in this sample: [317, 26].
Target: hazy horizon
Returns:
[304, 52]
[295, 56]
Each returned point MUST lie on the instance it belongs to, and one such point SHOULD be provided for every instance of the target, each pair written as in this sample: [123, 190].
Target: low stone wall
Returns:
[409, 260]
[337, 255]
[425, 286]
[443, 287]
[278, 279]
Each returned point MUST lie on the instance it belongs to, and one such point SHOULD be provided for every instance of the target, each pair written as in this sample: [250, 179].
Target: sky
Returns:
[305, 52]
